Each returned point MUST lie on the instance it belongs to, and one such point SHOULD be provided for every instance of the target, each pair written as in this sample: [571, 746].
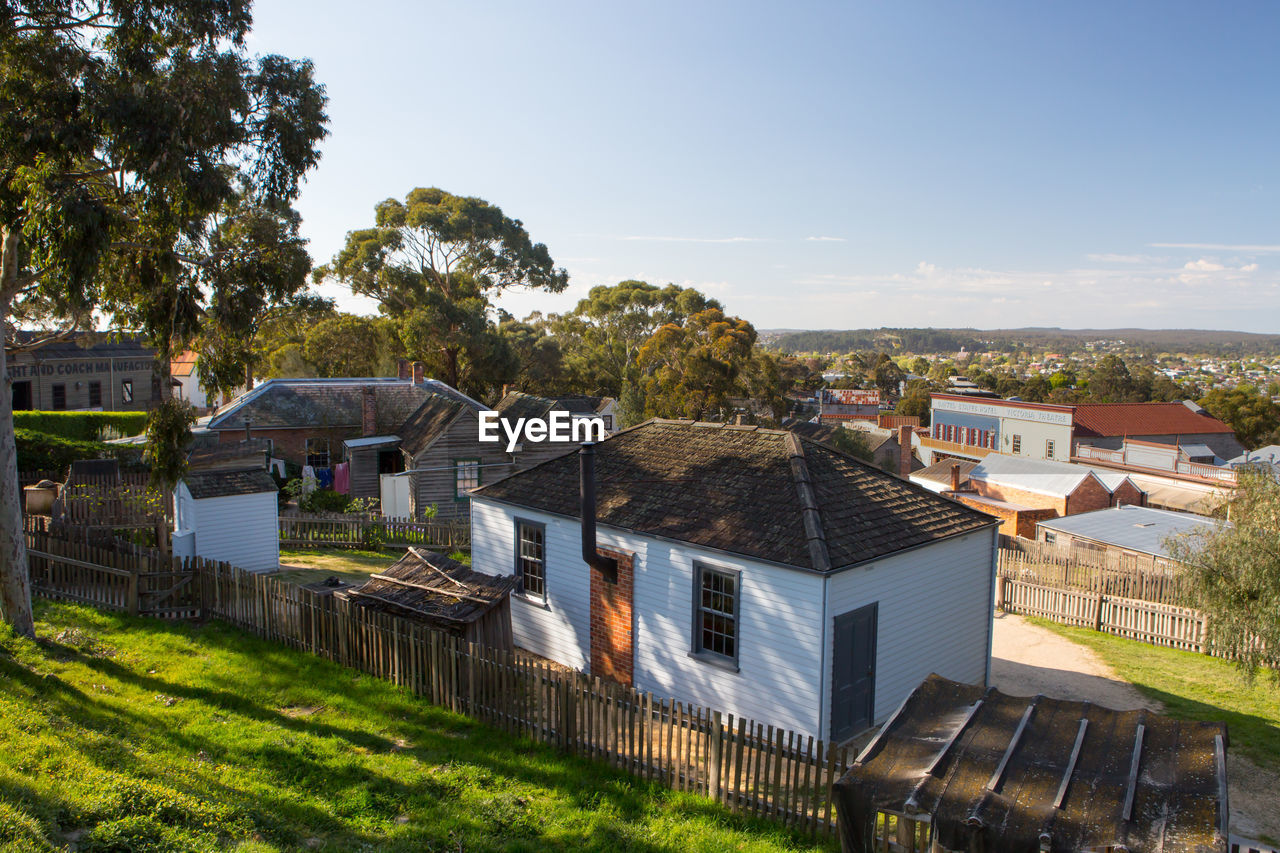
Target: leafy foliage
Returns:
[168, 436]
[41, 451]
[1250, 414]
[82, 426]
[1235, 572]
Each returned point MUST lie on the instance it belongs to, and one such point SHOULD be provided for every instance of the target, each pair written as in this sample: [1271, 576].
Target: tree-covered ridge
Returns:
[1208, 342]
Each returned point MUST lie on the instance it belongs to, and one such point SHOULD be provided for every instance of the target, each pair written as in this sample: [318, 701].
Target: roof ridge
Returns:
[810, 514]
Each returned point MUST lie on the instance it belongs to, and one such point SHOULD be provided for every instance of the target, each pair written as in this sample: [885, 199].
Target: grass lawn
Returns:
[1196, 687]
[308, 565]
[119, 733]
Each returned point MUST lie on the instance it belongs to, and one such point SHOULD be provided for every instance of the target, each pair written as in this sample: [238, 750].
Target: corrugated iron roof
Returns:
[1119, 419]
[1135, 528]
[1041, 476]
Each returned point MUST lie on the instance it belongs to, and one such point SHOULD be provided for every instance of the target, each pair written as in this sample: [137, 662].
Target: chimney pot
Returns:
[402, 369]
[419, 372]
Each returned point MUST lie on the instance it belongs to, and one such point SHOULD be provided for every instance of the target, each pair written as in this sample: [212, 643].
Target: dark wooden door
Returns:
[853, 682]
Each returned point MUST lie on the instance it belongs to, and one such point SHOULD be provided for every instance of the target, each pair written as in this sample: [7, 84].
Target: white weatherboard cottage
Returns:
[762, 574]
[228, 516]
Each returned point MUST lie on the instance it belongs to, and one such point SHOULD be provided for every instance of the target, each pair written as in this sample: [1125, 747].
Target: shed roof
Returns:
[763, 493]
[1120, 419]
[246, 453]
[1136, 528]
[183, 364]
[431, 586]
[1041, 476]
[428, 422]
[1004, 771]
[84, 345]
[517, 404]
[222, 484]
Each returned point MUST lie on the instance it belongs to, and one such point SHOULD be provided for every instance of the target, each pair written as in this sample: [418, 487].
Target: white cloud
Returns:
[1112, 258]
[1204, 265]
[1220, 247]
[824, 239]
[1249, 268]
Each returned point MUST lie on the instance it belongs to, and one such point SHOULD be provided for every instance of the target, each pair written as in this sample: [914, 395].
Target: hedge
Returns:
[38, 451]
[82, 426]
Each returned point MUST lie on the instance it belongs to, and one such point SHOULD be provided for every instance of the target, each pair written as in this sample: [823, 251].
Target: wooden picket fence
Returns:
[751, 767]
[1031, 562]
[1147, 621]
[328, 531]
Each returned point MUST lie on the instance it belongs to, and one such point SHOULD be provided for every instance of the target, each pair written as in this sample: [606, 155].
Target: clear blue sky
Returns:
[830, 165]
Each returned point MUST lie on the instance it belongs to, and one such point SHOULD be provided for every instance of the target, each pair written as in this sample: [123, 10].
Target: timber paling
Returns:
[752, 768]
[306, 530]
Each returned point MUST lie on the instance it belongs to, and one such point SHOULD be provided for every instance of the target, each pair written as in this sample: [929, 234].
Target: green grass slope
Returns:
[121, 734]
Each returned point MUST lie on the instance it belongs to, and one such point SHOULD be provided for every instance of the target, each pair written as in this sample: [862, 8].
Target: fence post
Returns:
[1097, 612]
[713, 769]
[133, 589]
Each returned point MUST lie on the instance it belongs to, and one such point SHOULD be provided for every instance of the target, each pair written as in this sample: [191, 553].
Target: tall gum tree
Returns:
[136, 135]
[442, 257]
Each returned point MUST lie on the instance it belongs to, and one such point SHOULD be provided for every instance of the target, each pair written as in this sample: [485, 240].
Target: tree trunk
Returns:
[15, 582]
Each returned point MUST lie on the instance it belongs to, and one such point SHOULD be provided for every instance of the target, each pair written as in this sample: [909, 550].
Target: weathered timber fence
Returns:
[338, 532]
[751, 767]
[1148, 621]
[112, 575]
[1031, 562]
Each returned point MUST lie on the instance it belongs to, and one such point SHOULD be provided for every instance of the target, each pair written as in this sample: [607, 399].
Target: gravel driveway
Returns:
[1027, 660]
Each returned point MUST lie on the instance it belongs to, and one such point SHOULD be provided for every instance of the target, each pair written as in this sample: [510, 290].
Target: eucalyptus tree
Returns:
[144, 158]
[435, 260]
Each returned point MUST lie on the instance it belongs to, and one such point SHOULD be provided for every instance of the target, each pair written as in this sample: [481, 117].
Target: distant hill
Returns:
[1213, 342]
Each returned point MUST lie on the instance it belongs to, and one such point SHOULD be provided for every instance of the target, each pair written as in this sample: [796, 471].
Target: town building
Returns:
[229, 516]
[83, 372]
[1186, 477]
[755, 571]
[969, 428]
[837, 405]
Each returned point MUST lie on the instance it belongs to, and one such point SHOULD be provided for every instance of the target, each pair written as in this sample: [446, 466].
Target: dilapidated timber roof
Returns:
[1011, 774]
[427, 585]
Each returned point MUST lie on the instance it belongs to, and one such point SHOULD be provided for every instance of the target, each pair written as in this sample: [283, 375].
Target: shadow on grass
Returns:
[467, 750]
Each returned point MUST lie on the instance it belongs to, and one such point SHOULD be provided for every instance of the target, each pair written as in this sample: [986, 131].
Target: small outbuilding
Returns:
[444, 594]
[229, 516]
[963, 767]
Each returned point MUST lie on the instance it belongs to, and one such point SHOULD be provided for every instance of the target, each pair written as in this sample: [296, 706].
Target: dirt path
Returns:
[1027, 660]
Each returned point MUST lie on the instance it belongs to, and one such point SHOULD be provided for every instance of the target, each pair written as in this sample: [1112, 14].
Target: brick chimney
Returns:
[419, 370]
[402, 369]
[904, 451]
[368, 411]
[955, 477]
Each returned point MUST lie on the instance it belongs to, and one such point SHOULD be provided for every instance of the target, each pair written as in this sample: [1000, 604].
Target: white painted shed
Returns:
[229, 516]
[761, 574]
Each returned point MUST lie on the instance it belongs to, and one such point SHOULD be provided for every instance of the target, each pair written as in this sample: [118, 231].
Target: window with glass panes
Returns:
[531, 558]
[716, 631]
[466, 476]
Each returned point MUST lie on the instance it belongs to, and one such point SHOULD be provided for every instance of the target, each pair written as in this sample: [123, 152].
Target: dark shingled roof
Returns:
[517, 404]
[762, 493]
[221, 484]
[320, 403]
[960, 756]
[428, 423]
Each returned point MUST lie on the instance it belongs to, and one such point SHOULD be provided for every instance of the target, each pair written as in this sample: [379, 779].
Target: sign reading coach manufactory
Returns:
[110, 375]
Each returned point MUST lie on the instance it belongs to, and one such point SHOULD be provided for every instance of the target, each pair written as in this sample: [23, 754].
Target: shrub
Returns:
[83, 426]
[324, 500]
[38, 451]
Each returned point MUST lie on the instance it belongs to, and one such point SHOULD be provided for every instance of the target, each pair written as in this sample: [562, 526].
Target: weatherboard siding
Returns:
[780, 656]
[434, 484]
[934, 614]
[242, 530]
